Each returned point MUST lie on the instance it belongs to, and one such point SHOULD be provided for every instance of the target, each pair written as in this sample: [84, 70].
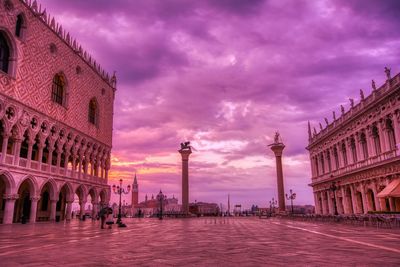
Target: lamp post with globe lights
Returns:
[272, 204]
[291, 197]
[119, 191]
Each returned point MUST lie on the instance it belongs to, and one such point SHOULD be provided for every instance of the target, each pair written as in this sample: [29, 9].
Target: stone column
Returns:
[53, 209]
[80, 168]
[50, 158]
[349, 155]
[73, 169]
[277, 148]
[345, 201]
[34, 205]
[30, 148]
[331, 209]
[40, 154]
[382, 135]
[360, 155]
[340, 155]
[396, 126]
[66, 160]
[354, 199]
[9, 208]
[370, 142]
[333, 164]
[59, 152]
[323, 199]
[185, 153]
[68, 211]
[82, 209]
[316, 201]
[364, 199]
[17, 150]
[376, 199]
[4, 148]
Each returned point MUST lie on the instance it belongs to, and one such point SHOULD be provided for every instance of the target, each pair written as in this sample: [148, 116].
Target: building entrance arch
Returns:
[22, 208]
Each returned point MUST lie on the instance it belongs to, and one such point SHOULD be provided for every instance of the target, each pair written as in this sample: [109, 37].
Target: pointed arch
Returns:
[34, 187]
[9, 181]
[52, 187]
[8, 52]
[93, 115]
[69, 189]
[59, 89]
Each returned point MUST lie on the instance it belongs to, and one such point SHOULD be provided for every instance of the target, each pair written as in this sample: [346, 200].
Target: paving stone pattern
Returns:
[198, 242]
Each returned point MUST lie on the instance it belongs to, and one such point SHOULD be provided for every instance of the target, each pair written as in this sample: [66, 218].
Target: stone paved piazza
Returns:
[198, 242]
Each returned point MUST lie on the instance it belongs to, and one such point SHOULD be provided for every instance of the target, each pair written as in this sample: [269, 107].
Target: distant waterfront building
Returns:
[204, 209]
[56, 116]
[355, 159]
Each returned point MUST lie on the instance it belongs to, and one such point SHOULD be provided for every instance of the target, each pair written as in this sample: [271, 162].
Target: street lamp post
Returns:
[333, 188]
[119, 191]
[272, 204]
[291, 196]
[160, 198]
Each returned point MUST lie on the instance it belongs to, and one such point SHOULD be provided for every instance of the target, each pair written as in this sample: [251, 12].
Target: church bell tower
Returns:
[135, 192]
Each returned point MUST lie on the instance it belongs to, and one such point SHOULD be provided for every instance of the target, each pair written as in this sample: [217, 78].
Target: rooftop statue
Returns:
[373, 85]
[362, 94]
[326, 121]
[334, 115]
[342, 109]
[351, 102]
[387, 71]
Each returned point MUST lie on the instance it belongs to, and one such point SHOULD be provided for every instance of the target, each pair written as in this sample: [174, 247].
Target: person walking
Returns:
[102, 215]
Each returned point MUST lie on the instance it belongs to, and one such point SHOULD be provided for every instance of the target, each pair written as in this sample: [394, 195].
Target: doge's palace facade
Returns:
[355, 161]
[56, 115]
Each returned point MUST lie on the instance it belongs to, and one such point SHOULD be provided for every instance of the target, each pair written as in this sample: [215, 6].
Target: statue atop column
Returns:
[185, 152]
[277, 147]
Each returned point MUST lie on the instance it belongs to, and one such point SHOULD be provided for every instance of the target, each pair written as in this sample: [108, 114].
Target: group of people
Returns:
[106, 217]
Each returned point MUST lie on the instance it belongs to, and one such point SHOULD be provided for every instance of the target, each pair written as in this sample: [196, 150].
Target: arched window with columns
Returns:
[364, 145]
[344, 154]
[377, 141]
[336, 156]
[316, 165]
[322, 163]
[390, 133]
[328, 158]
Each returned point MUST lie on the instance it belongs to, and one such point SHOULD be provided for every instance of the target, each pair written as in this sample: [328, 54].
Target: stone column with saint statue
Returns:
[277, 147]
[185, 152]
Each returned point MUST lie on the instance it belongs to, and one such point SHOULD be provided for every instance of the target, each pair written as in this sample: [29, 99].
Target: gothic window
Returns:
[316, 165]
[344, 153]
[390, 132]
[93, 111]
[336, 156]
[20, 26]
[353, 150]
[377, 143]
[363, 140]
[328, 158]
[58, 89]
[4, 54]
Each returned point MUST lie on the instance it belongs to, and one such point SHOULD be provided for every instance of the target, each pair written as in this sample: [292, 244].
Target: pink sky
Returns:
[226, 74]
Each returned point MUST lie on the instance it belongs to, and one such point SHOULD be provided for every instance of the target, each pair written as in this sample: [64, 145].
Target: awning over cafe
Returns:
[391, 190]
